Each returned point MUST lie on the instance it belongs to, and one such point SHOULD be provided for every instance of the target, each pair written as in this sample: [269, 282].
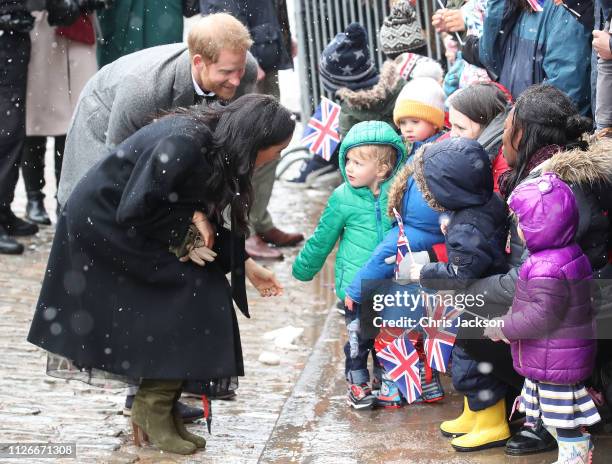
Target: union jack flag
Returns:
[321, 133]
[400, 361]
[536, 5]
[440, 339]
[403, 248]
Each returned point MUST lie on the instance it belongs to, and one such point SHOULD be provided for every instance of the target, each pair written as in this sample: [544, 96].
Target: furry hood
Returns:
[413, 168]
[387, 83]
[576, 166]
[398, 188]
[419, 178]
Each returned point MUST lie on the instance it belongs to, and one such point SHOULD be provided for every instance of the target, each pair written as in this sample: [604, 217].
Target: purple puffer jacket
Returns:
[551, 324]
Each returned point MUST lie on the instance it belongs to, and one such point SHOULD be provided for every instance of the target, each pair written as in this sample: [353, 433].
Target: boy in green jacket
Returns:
[370, 155]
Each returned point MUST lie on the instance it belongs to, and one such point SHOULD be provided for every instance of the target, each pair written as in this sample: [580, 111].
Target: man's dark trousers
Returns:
[14, 59]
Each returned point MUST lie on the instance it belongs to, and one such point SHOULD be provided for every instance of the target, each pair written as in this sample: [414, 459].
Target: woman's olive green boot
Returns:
[185, 434]
[200, 442]
[152, 415]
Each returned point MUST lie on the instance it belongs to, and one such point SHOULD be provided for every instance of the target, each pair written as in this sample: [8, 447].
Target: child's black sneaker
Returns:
[360, 396]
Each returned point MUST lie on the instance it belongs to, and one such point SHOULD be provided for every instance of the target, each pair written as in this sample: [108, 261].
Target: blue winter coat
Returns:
[422, 227]
[455, 175]
[525, 48]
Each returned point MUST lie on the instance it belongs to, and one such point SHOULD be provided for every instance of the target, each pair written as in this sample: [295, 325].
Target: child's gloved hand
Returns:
[494, 331]
[415, 271]
[348, 303]
[444, 224]
[419, 257]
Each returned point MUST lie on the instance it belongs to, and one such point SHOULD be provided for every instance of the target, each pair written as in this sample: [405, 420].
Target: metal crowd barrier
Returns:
[318, 21]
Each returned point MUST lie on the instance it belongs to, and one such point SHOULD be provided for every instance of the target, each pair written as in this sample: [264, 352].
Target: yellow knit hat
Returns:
[421, 98]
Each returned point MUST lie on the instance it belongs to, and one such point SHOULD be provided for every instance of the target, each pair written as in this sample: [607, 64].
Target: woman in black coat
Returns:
[117, 303]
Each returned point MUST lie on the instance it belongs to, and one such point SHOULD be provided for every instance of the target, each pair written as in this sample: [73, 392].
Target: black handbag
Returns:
[191, 8]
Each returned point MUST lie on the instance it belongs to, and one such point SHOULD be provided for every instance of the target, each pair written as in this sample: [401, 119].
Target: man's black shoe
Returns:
[188, 413]
[15, 226]
[8, 245]
[35, 209]
[531, 440]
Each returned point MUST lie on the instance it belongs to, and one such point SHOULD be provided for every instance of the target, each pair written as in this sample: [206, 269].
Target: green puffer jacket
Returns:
[354, 215]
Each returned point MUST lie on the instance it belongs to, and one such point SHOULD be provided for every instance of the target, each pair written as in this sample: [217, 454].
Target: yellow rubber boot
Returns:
[490, 430]
[462, 424]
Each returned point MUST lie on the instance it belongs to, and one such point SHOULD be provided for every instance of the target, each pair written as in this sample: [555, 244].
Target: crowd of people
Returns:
[487, 165]
[502, 187]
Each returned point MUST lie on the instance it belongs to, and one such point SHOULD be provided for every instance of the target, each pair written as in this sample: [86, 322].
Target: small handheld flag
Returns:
[400, 361]
[403, 246]
[321, 135]
[440, 334]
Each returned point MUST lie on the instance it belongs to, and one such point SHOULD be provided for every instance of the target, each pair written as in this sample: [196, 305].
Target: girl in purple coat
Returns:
[550, 325]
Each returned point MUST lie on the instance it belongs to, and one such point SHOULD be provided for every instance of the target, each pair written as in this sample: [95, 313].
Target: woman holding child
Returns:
[542, 126]
[117, 302]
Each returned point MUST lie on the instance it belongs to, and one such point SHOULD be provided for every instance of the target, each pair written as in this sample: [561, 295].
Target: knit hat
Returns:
[346, 61]
[412, 65]
[401, 31]
[421, 98]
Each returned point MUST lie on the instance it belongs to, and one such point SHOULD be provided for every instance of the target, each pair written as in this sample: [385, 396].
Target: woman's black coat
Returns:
[113, 297]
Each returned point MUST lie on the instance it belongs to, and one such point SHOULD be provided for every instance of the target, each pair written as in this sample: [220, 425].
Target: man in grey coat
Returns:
[128, 93]
[268, 23]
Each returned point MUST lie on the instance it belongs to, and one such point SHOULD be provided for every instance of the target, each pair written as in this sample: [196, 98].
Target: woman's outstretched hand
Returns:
[206, 229]
[262, 279]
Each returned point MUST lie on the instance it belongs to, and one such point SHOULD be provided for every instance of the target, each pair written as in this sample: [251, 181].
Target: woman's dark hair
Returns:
[546, 116]
[480, 102]
[240, 129]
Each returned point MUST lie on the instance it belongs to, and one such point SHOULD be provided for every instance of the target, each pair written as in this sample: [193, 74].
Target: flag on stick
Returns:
[440, 334]
[400, 361]
[321, 135]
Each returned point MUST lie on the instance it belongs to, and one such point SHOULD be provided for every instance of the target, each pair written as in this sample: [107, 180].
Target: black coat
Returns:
[455, 176]
[268, 24]
[113, 297]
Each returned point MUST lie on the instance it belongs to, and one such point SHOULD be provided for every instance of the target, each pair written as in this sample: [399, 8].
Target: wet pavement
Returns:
[38, 408]
[291, 412]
